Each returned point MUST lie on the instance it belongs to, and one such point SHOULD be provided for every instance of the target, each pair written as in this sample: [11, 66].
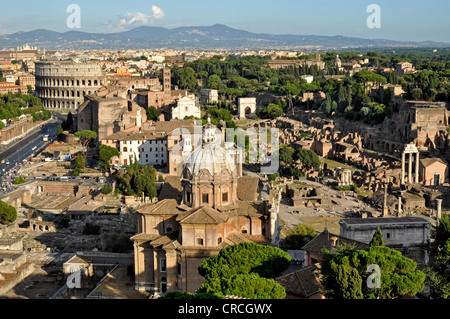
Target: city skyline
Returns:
[288, 17]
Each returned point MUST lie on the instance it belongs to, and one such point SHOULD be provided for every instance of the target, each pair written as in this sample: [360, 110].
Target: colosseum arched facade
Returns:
[63, 84]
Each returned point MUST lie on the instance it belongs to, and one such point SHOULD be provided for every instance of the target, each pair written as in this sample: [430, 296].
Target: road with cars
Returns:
[13, 156]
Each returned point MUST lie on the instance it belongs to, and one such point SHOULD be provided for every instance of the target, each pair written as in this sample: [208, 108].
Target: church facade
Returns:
[215, 208]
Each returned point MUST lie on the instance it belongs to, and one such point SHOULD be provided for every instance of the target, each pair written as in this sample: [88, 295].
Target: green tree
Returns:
[298, 236]
[107, 189]
[186, 78]
[344, 275]
[377, 239]
[438, 276]
[287, 154]
[59, 130]
[214, 81]
[246, 258]
[80, 163]
[8, 213]
[91, 229]
[271, 111]
[117, 242]
[417, 94]
[19, 180]
[86, 137]
[308, 158]
[250, 286]
[106, 153]
[152, 114]
[68, 122]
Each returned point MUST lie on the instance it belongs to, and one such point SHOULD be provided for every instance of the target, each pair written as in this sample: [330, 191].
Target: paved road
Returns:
[28, 146]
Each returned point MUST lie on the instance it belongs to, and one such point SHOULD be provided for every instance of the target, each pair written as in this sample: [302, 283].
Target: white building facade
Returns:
[146, 151]
[186, 106]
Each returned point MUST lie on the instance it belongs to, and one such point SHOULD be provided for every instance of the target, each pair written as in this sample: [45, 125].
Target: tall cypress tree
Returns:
[377, 239]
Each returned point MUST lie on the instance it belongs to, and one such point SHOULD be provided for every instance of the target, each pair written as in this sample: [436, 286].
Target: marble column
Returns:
[417, 168]
[410, 168]
[403, 169]
[438, 209]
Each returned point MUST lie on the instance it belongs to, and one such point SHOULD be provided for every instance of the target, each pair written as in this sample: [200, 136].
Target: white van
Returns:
[64, 179]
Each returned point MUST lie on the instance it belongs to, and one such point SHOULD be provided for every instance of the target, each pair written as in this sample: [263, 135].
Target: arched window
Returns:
[219, 240]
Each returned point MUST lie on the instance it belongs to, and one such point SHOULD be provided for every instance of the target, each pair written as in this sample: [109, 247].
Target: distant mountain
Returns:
[206, 37]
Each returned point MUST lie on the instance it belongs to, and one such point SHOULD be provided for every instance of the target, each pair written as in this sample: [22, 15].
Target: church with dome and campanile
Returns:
[215, 208]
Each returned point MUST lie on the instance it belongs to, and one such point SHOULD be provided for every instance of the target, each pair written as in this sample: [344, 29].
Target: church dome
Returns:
[210, 155]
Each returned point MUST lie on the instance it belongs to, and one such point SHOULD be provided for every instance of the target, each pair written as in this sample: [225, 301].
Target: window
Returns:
[205, 198]
[179, 270]
[162, 263]
[163, 284]
[224, 197]
[200, 241]
[188, 197]
[125, 149]
[388, 235]
[219, 240]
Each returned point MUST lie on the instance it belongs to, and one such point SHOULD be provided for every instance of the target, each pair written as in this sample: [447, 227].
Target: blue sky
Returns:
[412, 20]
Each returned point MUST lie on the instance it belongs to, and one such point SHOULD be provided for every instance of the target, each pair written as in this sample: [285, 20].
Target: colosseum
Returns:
[63, 84]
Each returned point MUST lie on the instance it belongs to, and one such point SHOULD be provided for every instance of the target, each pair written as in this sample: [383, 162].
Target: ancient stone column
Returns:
[417, 167]
[385, 208]
[410, 168]
[438, 209]
[400, 205]
[403, 168]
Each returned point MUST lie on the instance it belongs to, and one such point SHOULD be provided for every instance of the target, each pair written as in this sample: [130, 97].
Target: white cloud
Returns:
[134, 19]
[157, 13]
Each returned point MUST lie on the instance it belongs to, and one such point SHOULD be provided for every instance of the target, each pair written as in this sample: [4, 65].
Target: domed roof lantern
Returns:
[209, 131]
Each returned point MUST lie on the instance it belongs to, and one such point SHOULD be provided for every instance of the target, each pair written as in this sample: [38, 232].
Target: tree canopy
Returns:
[345, 274]
[271, 111]
[8, 213]
[244, 285]
[438, 276]
[298, 236]
[152, 114]
[377, 239]
[308, 158]
[267, 261]
[137, 180]
[86, 136]
[106, 153]
[246, 270]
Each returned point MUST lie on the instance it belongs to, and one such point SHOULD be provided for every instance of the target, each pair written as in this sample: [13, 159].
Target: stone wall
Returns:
[16, 129]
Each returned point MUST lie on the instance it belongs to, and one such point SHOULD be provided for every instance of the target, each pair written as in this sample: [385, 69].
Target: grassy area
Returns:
[319, 223]
[334, 164]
